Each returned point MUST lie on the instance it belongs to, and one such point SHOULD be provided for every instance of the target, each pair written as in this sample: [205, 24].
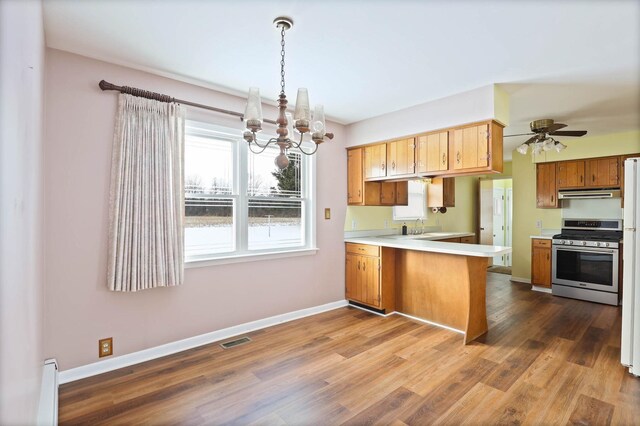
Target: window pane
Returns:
[208, 169]
[275, 205]
[417, 206]
[275, 222]
[208, 225]
[208, 166]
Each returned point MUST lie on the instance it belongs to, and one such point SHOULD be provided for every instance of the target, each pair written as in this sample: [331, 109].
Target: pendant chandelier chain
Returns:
[282, 62]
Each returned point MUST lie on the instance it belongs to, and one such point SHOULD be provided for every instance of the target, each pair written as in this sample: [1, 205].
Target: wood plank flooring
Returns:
[545, 360]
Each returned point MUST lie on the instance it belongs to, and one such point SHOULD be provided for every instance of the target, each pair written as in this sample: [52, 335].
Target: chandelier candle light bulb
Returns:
[300, 121]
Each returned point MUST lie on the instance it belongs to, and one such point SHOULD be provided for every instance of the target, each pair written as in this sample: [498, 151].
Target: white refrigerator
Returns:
[630, 346]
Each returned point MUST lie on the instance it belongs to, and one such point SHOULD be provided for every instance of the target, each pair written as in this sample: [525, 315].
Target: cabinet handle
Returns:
[552, 199]
[547, 256]
[458, 157]
[382, 166]
[364, 266]
[593, 178]
[580, 178]
[444, 159]
[358, 265]
[359, 192]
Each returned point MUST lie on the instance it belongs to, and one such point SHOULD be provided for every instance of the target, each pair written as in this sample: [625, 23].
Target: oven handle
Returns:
[585, 249]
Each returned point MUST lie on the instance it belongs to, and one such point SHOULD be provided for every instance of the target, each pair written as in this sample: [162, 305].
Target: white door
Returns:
[498, 222]
[508, 236]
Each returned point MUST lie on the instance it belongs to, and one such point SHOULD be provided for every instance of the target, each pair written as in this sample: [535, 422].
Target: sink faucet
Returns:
[415, 228]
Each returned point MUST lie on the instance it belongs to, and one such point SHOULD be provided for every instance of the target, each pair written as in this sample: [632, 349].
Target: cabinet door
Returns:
[471, 147]
[355, 181]
[434, 152]
[571, 174]
[351, 276]
[375, 161]
[400, 157]
[546, 191]
[370, 276]
[388, 193]
[603, 172]
[541, 264]
[441, 192]
[402, 193]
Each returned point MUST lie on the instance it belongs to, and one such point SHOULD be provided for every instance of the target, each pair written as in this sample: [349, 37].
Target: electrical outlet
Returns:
[539, 224]
[327, 213]
[105, 347]
[353, 224]
[386, 224]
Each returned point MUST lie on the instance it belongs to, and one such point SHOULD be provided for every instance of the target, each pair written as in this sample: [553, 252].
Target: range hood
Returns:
[585, 194]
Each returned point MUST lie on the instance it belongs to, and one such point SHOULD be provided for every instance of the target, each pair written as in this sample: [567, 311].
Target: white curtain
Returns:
[146, 198]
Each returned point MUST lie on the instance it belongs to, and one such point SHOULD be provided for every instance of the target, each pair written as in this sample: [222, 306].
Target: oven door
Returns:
[586, 267]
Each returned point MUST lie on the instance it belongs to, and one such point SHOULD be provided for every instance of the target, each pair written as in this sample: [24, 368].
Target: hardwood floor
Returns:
[545, 360]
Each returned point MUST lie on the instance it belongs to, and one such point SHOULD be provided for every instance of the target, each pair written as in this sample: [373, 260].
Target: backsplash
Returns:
[592, 209]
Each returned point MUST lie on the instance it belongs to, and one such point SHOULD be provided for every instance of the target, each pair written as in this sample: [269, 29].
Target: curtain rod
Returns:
[105, 85]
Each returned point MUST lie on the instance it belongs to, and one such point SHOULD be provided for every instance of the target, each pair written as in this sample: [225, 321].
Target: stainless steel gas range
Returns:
[586, 260]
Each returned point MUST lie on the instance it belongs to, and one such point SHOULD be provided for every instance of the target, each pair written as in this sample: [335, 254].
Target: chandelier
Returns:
[301, 122]
[539, 144]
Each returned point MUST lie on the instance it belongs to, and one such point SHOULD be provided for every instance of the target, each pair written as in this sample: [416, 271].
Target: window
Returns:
[238, 203]
[417, 206]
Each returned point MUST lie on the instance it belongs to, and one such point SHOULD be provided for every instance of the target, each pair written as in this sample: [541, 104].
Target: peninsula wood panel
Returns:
[443, 288]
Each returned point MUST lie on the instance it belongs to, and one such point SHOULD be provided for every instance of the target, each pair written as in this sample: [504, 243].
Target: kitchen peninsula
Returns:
[443, 283]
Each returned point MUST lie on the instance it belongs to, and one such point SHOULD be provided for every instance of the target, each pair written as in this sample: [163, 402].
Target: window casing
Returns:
[234, 204]
[417, 206]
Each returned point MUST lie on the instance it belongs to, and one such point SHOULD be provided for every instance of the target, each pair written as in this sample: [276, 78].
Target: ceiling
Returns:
[577, 62]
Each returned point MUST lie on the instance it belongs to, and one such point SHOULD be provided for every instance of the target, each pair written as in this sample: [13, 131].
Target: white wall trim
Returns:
[541, 289]
[521, 280]
[111, 364]
[48, 405]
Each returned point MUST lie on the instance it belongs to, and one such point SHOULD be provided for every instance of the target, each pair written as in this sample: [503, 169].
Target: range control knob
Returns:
[599, 244]
[570, 243]
[584, 243]
[606, 244]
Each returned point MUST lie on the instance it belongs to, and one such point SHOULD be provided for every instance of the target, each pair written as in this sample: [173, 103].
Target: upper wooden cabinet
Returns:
[476, 148]
[364, 193]
[401, 157]
[546, 190]
[571, 174]
[432, 153]
[441, 192]
[355, 179]
[375, 161]
[603, 172]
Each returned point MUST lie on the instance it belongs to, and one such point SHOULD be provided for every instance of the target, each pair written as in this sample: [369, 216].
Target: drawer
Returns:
[541, 243]
[363, 249]
[468, 240]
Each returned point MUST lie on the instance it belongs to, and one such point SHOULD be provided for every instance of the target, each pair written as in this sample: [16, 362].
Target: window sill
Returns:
[249, 257]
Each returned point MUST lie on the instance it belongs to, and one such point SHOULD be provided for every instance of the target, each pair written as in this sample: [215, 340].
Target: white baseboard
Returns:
[111, 364]
[48, 406]
[521, 280]
[541, 289]
[430, 322]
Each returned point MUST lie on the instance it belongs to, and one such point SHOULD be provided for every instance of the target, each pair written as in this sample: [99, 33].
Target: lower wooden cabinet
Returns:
[468, 240]
[541, 262]
[367, 281]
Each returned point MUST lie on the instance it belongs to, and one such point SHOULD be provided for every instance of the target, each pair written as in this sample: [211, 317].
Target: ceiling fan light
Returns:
[522, 149]
[547, 145]
[559, 146]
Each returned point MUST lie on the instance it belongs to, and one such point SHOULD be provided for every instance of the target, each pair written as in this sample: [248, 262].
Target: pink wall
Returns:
[21, 198]
[78, 308]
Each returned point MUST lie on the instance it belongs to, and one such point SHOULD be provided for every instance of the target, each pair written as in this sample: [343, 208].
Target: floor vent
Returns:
[237, 342]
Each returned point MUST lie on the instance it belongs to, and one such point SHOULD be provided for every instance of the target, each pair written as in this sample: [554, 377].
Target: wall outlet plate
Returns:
[539, 224]
[105, 347]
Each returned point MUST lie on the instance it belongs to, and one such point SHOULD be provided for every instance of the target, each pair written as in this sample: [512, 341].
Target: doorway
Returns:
[496, 217]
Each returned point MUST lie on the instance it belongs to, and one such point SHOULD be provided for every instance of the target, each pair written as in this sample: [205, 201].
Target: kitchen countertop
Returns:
[425, 243]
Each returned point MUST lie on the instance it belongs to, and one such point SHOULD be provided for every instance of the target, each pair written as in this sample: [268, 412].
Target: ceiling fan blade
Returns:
[520, 134]
[531, 139]
[569, 133]
[554, 127]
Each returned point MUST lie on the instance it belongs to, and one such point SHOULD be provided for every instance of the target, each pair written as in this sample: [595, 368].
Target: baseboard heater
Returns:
[48, 406]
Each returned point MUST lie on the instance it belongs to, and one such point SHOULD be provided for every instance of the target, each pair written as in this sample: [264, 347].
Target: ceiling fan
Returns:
[542, 130]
